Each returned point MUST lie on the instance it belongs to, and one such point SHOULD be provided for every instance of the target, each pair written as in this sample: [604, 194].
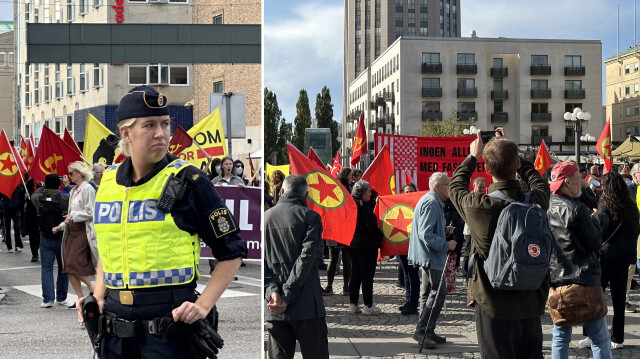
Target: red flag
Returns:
[380, 174]
[313, 156]
[53, 156]
[179, 142]
[395, 214]
[326, 196]
[9, 169]
[604, 147]
[359, 142]
[336, 166]
[408, 179]
[543, 159]
[23, 149]
[31, 152]
[69, 141]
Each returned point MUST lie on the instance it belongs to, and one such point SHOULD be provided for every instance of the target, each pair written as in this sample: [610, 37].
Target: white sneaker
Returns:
[616, 345]
[354, 308]
[586, 343]
[372, 310]
[65, 302]
[46, 305]
[18, 249]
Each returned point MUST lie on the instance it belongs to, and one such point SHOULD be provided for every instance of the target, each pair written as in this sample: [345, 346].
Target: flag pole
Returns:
[255, 174]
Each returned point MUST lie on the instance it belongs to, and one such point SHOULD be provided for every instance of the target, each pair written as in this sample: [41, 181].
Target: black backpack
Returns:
[50, 213]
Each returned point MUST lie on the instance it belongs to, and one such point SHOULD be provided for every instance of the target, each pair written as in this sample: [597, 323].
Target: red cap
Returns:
[560, 171]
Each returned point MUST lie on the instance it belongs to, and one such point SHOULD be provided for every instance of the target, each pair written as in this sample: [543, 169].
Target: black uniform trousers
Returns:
[310, 333]
[508, 339]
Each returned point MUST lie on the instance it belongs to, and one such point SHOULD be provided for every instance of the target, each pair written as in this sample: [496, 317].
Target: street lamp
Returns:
[587, 138]
[470, 131]
[577, 118]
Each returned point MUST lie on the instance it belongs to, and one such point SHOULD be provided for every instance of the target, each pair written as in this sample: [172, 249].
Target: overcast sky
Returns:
[303, 39]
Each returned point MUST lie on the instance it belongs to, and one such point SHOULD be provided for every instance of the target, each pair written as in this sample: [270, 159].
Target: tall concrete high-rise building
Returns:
[371, 26]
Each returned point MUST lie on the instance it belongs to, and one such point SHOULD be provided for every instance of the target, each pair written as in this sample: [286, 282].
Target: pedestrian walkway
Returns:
[388, 335]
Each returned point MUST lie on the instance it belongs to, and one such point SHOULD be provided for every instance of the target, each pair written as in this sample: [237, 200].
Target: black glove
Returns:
[201, 340]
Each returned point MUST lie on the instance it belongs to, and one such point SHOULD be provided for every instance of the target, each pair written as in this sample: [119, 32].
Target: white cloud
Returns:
[305, 51]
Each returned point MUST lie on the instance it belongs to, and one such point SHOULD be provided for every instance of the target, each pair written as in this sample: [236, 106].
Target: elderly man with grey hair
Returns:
[428, 249]
[97, 170]
[293, 295]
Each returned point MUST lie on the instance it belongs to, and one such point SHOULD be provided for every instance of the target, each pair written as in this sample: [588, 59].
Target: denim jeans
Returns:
[597, 331]
[411, 281]
[50, 250]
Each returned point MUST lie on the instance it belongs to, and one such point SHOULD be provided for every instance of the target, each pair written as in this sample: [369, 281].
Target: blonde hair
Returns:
[123, 145]
[81, 168]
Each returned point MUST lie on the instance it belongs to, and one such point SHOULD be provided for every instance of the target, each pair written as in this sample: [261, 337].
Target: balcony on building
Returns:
[432, 92]
[499, 94]
[468, 92]
[354, 116]
[466, 116]
[466, 69]
[435, 68]
[372, 105]
[370, 146]
[373, 126]
[540, 93]
[541, 117]
[379, 100]
[574, 71]
[537, 139]
[539, 70]
[431, 115]
[350, 134]
[499, 71]
[389, 119]
[500, 117]
[388, 96]
[574, 94]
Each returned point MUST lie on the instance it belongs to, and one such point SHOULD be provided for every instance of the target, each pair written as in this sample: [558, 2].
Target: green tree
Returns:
[448, 127]
[302, 120]
[324, 115]
[274, 141]
[284, 135]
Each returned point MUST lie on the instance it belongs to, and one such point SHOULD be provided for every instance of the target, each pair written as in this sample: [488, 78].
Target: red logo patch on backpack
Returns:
[534, 250]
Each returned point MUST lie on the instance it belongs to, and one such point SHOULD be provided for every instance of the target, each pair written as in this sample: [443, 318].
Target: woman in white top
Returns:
[80, 251]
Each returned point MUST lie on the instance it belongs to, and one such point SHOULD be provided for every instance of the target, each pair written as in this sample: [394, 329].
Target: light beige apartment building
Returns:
[623, 94]
[371, 26]
[524, 85]
[7, 79]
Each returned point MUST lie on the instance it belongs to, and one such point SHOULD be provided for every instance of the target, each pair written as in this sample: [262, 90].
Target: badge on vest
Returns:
[222, 222]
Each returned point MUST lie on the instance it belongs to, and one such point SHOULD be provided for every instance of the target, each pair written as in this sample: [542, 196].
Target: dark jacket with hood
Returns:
[292, 235]
[367, 234]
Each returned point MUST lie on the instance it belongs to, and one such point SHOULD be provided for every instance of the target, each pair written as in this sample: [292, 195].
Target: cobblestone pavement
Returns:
[388, 335]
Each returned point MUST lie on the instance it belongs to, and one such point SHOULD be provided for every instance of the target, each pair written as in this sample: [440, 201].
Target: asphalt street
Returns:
[28, 331]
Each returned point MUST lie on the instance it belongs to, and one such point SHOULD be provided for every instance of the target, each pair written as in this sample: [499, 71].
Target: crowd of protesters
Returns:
[593, 217]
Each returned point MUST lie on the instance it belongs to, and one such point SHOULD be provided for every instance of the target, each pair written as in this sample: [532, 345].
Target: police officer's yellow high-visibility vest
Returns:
[139, 245]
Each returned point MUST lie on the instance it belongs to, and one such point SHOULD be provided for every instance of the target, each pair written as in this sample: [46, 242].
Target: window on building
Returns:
[540, 131]
[568, 107]
[573, 61]
[430, 106]
[399, 17]
[497, 83]
[71, 10]
[27, 93]
[411, 31]
[423, 18]
[632, 131]
[47, 86]
[430, 83]
[631, 89]
[466, 59]
[97, 3]
[573, 85]
[83, 7]
[68, 122]
[498, 107]
[218, 87]
[466, 83]
[27, 129]
[632, 110]
[71, 82]
[3, 58]
[84, 78]
[539, 108]
[466, 107]
[178, 1]
[10, 58]
[36, 96]
[97, 76]
[37, 131]
[412, 4]
[411, 18]
[539, 60]
[424, 31]
[58, 85]
[58, 125]
[217, 20]
[137, 75]
[398, 31]
[539, 84]
[178, 75]
[497, 63]
[631, 68]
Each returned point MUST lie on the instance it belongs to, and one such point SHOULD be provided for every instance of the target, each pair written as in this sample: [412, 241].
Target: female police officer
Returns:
[149, 250]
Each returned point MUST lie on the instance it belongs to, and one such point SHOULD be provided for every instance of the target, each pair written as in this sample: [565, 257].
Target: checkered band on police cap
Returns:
[142, 101]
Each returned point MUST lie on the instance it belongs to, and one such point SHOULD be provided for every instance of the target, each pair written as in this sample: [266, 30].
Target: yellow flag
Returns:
[207, 133]
[271, 168]
[100, 144]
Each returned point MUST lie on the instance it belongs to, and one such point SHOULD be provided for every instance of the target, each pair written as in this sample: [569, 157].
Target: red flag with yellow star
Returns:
[10, 176]
[326, 196]
[53, 156]
[380, 174]
[604, 147]
[23, 149]
[359, 142]
[543, 159]
[395, 214]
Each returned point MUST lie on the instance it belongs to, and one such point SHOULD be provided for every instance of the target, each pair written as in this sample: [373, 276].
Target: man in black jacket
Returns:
[294, 310]
[12, 213]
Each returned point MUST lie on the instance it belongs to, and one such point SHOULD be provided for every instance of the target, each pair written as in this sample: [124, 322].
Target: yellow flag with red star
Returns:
[10, 176]
[326, 196]
[395, 214]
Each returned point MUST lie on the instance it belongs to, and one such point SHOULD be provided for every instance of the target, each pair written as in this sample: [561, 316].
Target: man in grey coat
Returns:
[294, 309]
